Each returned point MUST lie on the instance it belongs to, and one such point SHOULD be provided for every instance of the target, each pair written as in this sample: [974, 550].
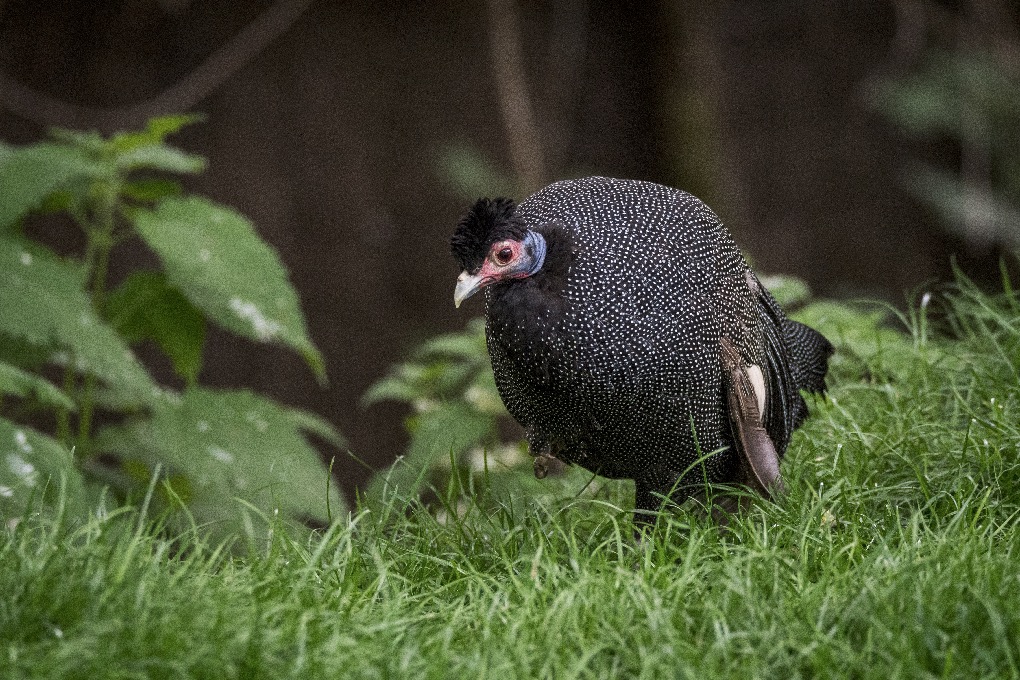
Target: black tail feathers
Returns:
[809, 355]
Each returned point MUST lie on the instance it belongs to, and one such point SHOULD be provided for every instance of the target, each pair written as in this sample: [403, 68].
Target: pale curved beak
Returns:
[467, 285]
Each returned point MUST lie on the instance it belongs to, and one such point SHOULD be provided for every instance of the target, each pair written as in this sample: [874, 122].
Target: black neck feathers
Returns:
[559, 255]
[543, 294]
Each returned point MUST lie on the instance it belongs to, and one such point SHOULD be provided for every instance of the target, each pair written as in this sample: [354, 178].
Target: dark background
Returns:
[353, 134]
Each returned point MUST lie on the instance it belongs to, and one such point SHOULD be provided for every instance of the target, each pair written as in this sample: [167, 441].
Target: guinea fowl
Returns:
[629, 336]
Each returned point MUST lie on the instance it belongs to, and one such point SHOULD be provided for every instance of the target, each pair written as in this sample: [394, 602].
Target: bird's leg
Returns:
[544, 464]
[653, 492]
[646, 511]
[646, 505]
[546, 458]
[721, 506]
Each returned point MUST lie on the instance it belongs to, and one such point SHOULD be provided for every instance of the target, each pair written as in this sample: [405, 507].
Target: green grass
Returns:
[895, 554]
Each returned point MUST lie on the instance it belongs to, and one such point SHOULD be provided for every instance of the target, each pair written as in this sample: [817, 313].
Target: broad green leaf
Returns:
[317, 425]
[787, 290]
[146, 307]
[155, 132]
[392, 387]
[42, 303]
[937, 97]
[216, 259]
[32, 469]
[23, 384]
[451, 427]
[162, 127]
[413, 381]
[956, 201]
[151, 190]
[58, 201]
[468, 344]
[220, 446]
[21, 353]
[471, 174]
[29, 174]
[89, 141]
[441, 370]
[483, 394]
[160, 157]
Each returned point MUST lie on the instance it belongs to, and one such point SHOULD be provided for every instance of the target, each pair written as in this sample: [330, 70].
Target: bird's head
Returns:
[491, 245]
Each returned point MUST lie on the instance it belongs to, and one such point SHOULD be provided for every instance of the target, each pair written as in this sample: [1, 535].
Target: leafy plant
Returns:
[470, 174]
[458, 420]
[969, 98]
[60, 319]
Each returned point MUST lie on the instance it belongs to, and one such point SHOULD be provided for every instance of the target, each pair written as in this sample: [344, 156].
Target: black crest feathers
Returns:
[485, 223]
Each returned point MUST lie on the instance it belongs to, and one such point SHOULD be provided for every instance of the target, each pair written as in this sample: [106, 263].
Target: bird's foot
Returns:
[544, 464]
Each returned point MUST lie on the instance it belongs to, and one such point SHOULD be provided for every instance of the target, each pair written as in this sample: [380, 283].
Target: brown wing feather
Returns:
[758, 459]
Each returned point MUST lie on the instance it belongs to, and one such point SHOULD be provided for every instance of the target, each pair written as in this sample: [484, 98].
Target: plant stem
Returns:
[101, 239]
[63, 414]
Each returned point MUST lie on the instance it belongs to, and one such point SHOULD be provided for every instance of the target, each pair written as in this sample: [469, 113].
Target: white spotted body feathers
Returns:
[609, 356]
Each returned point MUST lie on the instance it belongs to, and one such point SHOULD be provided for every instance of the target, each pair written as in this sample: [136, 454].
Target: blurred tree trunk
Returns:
[691, 100]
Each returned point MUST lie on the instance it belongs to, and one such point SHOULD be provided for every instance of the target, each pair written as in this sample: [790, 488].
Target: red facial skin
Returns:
[506, 260]
[501, 264]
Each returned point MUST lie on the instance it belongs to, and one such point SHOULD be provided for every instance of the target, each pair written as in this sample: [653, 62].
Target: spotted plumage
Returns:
[629, 336]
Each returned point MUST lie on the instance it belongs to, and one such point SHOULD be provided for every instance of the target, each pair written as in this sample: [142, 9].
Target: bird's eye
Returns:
[504, 255]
